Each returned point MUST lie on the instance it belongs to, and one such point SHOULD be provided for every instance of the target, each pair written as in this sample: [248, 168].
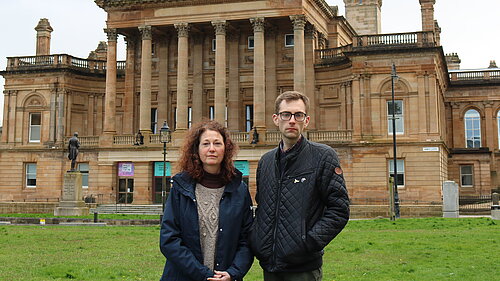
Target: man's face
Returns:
[291, 129]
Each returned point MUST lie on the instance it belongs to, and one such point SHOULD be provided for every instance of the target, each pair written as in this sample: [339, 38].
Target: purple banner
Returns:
[125, 169]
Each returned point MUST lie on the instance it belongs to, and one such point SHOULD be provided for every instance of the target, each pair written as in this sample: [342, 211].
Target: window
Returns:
[84, 170]
[35, 125]
[190, 116]
[248, 117]
[211, 112]
[31, 175]
[466, 176]
[289, 40]
[250, 43]
[472, 129]
[214, 42]
[154, 120]
[498, 128]
[398, 116]
[400, 170]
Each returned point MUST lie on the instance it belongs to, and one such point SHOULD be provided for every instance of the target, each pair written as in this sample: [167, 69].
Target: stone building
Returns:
[228, 60]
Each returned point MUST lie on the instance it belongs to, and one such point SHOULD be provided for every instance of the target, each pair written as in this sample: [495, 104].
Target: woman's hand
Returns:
[220, 276]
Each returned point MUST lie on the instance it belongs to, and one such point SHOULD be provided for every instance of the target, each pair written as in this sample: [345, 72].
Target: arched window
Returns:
[472, 129]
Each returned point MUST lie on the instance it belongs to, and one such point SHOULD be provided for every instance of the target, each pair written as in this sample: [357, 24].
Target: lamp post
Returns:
[164, 138]
[394, 77]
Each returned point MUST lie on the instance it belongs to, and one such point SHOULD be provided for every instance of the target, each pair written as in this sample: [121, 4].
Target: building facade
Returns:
[228, 60]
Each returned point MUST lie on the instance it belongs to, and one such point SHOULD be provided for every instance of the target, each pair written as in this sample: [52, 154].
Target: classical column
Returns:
[163, 106]
[356, 108]
[61, 113]
[145, 102]
[12, 117]
[434, 105]
[182, 76]
[53, 114]
[309, 75]
[110, 99]
[90, 118]
[299, 68]
[259, 76]
[271, 76]
[234, 105]
[489, 118]
[197, 98]
[128, 98]
[98, 115]
[6, 122]
[220, 71]
[423, 125]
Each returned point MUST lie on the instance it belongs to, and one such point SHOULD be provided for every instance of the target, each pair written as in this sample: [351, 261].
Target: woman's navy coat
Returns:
[180, 232]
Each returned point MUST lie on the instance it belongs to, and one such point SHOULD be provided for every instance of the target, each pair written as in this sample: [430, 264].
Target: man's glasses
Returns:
[286, 116]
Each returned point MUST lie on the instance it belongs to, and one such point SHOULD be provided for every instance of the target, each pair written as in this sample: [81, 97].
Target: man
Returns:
[302, 201]
[73, 146]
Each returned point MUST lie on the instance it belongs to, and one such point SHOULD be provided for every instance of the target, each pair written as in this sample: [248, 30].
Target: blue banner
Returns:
[243, 166]
[159, 169]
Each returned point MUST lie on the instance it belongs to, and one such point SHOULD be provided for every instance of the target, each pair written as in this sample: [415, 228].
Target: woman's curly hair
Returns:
[190, 159]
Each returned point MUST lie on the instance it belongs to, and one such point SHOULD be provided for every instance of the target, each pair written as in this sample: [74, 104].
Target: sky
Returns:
[467, 28]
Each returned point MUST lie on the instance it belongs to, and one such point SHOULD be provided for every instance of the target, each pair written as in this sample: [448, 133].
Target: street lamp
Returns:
[394, 77]
[164, 138]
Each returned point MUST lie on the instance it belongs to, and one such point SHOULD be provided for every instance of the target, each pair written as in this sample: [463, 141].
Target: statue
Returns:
[139, 139]
[73, 146]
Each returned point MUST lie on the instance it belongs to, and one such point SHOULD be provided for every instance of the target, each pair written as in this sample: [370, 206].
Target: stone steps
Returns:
[128, 209]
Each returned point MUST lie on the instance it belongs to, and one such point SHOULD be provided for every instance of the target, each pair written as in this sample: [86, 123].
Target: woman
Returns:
[208, 212]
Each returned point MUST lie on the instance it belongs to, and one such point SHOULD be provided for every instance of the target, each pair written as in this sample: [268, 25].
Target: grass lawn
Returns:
[408, 249]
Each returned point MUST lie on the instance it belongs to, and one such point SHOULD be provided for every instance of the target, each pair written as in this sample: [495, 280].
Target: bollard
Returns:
[95, 217]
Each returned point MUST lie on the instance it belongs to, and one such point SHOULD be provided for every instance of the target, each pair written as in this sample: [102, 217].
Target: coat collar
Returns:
[187, 184]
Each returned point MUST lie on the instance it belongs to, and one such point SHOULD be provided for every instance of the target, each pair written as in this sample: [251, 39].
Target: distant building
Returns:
[228, 60]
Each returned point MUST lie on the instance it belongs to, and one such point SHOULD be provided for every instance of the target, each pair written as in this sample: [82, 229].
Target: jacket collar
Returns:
[295, 150]
[187, 184]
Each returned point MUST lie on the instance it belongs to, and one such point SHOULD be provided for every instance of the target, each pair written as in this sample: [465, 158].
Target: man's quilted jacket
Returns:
[300, 210]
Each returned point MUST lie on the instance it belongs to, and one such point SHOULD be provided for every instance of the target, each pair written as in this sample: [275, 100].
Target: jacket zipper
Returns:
[278, 198]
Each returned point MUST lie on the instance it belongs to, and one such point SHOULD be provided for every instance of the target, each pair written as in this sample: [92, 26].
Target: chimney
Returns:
[364, 15]
[43, 30]
[453, 61]
[427, 8]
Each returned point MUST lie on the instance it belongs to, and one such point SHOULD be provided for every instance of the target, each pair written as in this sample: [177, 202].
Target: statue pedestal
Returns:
[71, 203]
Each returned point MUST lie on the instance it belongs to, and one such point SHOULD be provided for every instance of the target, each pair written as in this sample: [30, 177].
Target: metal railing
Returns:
[474, 203]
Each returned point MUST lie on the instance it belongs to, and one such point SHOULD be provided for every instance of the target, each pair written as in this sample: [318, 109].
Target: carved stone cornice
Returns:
[112, 34]
[299, 22]
[182, 29]
[258, 24]
[146, 33]
[220, 27]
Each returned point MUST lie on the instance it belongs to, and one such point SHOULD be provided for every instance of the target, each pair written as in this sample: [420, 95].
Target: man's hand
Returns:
[220, 276]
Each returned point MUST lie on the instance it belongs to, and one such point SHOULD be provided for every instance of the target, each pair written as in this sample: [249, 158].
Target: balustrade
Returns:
[240, 137]
[474, 75]
[124, 139]
[57, 61]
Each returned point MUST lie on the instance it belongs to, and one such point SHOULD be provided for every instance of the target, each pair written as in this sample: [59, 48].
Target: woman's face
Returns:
[211, 151]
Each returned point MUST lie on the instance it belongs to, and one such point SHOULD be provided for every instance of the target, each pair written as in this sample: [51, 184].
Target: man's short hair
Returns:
[290, 96]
